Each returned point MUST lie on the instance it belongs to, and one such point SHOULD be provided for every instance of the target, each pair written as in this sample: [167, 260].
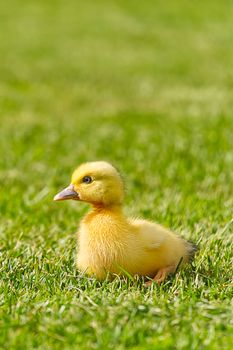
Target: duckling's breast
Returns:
[102, 243]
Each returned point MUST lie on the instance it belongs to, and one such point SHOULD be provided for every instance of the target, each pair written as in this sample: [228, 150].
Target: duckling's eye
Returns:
[87, 179]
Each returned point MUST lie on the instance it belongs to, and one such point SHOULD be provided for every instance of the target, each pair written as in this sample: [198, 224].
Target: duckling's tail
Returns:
[192, 249]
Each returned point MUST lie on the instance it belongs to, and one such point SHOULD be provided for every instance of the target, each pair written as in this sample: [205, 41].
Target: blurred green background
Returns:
[146, 85]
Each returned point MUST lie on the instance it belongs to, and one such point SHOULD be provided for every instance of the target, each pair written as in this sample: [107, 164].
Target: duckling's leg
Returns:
[162, 274]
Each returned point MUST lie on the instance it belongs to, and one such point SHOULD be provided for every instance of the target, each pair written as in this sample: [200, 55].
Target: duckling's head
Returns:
[98, 183]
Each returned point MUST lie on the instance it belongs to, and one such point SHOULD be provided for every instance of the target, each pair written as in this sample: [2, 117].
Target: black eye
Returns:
[87, 179]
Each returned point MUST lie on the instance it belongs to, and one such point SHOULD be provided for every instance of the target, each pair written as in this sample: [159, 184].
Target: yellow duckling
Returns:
[109, 242]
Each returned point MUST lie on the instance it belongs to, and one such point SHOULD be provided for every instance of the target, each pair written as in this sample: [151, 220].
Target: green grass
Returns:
[148, 86]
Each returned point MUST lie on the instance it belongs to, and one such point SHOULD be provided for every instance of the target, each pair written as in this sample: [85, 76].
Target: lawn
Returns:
[148, 86]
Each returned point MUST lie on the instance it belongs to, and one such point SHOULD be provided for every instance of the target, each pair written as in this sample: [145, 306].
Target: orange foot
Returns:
[162, 274]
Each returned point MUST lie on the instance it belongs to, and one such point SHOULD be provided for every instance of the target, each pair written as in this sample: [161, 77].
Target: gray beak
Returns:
[67, 193]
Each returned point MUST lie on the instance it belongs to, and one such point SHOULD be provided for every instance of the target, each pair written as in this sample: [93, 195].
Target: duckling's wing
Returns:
[151, 234]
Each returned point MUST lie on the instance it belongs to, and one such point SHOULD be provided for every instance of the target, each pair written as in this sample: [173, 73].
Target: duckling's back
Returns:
[156, 248]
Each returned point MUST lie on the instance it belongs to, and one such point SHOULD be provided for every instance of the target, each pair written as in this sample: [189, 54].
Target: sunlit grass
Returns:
[148, 87]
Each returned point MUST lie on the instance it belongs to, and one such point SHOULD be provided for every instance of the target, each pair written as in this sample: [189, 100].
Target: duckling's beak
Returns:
[67, 193]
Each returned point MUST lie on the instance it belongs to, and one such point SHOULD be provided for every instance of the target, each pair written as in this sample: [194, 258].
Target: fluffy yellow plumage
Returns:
[108, 241]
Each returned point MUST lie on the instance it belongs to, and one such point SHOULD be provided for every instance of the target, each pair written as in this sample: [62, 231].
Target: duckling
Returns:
[109, 243]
